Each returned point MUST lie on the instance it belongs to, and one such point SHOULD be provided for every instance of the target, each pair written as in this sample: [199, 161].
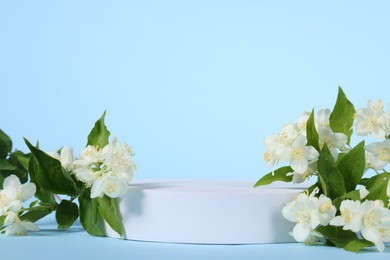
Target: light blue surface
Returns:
[194, 86]
[76, 244]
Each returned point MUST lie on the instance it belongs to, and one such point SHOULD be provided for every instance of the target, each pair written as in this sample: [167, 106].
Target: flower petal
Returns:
[28, 190]
[301, 232]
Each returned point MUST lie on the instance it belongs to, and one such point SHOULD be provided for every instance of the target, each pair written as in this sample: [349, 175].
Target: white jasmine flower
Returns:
[89, 155]
[322, 119]
[371, 120]
[334, 141]
[350, 217]
[270, 158]
[301, 177]
[326, 210]
[375, 223]
[86, 175]
[106, 171]
[299, 155]
[370, 162]
[370, 218]
[118, 159]
[277, 144]
[17, 227]
[14, 193]
[308, 212]
[302, 122]
[363, 192]
[112, 186]
[380, 154]
[300, 211]
[65, 157]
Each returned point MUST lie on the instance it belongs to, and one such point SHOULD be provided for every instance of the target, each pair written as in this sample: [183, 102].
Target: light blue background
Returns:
[193, 86]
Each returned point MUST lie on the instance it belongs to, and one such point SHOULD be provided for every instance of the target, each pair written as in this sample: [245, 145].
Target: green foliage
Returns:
[51, 179]
[90, 218]
[108, 209]
[331, 180]
[278, 175]
[342, 116]
[352, 195]
[352, 166]
[311, 132]
[6, 166]
[339, 179]
[36, 213]
[12, 162]
[42, 194]
[99, 135]
[336, 235]
[377, 187]
[357, 244]
[66, 213]
[5, 145]
[50, 175]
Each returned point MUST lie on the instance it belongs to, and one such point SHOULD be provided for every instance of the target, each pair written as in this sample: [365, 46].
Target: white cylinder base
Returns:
[205, 211]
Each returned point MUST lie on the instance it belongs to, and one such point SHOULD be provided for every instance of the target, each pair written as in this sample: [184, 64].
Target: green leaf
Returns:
[377, 186]
[42, 194]
[2, 219]
[36, 213]
[278, 175]
[5, 165]
[108, 209]
[22, 158]
[5, 145]
[50, 175]
[352, 166]
[99, 135]
[33, 203]
[66, 213]
[357, 244]
[19, 169]
[352, 195]
[311, 132]
[331, 180]
[90, 218]
[342, 116]
[337, 235]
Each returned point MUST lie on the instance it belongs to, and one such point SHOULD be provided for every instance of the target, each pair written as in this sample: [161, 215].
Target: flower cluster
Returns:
[343, 208]
[106, 170]
[12, 196]
[290, 145]
[370, 218]
[96, 178]
[309, 212]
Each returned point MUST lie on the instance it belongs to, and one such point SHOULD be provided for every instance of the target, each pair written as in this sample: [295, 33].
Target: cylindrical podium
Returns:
[205, 211]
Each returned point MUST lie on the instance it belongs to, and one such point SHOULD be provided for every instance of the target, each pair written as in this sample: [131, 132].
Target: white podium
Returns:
[205, 212]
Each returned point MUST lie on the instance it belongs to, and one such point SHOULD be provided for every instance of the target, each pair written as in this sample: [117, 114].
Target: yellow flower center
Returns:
[267, 157]
[383, 232]
[346, 215]
[373, 121]
[369, 220]
[384, 155]
[325, 207]
[3, 200]
[111, 188]
[298, 154]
